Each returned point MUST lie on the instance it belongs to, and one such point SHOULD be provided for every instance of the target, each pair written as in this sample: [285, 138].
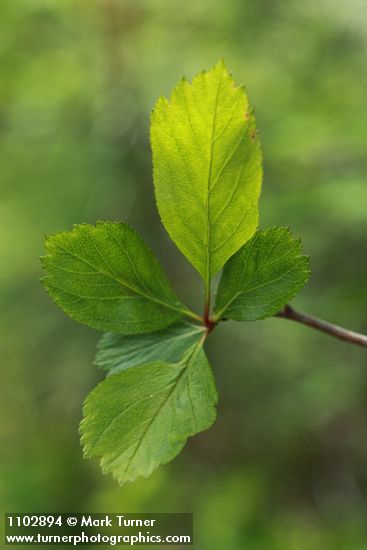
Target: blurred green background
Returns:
[285, 465]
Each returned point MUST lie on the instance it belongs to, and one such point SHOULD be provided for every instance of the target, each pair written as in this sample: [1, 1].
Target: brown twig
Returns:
[333, 330]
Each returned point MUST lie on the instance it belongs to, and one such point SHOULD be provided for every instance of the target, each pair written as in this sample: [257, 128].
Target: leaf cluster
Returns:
[159, 388]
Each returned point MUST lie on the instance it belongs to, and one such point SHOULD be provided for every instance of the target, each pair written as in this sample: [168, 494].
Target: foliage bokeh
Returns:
[285, 465]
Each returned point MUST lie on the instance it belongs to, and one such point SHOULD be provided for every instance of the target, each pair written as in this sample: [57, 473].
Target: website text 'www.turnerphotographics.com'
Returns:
[108, 529]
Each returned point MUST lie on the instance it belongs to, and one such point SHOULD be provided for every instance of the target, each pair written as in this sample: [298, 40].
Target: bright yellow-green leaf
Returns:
[207, 168]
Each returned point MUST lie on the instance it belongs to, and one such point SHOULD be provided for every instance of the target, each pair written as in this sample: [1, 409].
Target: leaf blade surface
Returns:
[118, 352]
[266, 273]
[141, 417]
[107, 278]
[207, 168]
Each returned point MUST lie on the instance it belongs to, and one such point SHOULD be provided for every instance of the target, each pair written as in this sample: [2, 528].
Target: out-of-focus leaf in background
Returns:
[285, 465]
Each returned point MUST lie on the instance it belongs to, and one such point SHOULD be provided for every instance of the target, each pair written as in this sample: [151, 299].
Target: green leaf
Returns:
[106, 277]
[117, 352]
[141, 417]
[265, 274]
[207, 168]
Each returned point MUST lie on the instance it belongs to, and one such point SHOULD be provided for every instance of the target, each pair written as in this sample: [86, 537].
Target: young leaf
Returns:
[141, 417]
[106, 277]
[117, 352]
[262, 276]
[207, 168]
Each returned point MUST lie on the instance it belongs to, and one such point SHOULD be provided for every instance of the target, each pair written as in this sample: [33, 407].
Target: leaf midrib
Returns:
[162, 406]
[212, 141]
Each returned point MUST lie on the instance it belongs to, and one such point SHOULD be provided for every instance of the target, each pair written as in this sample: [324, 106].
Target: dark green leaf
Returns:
[106, 277]
[141, 417]
[262, 276]
[117, 352]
